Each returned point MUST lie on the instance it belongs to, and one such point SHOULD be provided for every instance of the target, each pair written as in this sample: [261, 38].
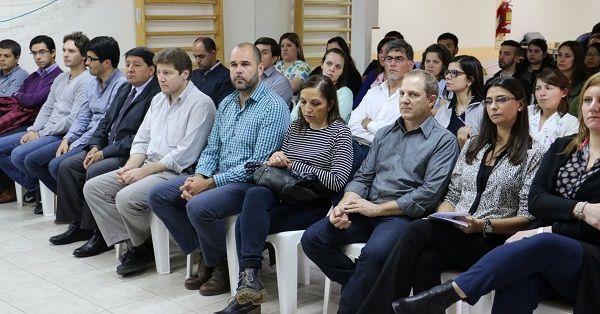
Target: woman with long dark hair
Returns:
[353, 78]
[570, 61]
[559, 260]
[487, 193]
[292, 63]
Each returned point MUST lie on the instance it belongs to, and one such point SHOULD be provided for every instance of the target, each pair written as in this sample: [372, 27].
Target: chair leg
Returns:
[326, 295]
[303, 267]
[19, 192]
[48, 199]
[189, 266]
[286, 255]
[232, 258]
[160, 242]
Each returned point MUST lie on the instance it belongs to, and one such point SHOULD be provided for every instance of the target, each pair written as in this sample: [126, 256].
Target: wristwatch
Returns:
[487, 227]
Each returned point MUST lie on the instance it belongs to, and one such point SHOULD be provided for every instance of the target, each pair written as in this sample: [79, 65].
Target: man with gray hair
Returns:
[379, 107]
[404, 177]
[167, 143]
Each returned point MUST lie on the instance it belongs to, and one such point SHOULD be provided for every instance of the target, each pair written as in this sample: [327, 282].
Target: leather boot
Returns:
[435, 300]
[8, 194]
[196, 281]
[38, 210]
[250, 287]
[235, 308]
[137, 259]
[218, 282]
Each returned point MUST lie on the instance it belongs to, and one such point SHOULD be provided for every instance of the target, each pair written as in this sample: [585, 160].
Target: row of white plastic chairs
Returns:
[291, 263]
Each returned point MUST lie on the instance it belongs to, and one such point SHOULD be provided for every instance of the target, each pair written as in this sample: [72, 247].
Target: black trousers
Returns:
[424, 251]
[71, 205]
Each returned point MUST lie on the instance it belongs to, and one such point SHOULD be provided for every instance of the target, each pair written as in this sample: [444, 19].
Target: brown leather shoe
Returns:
[196, 281]
[8, 195]
[218, 282]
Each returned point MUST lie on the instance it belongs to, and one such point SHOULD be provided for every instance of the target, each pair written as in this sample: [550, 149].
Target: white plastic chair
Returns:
[19, 192]
[352, 251]
[160, 243]
[48, 200]
[289, 257]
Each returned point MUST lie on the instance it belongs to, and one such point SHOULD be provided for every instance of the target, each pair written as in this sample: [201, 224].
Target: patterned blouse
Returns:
[506, 192]
[299, 69]
[572, 175]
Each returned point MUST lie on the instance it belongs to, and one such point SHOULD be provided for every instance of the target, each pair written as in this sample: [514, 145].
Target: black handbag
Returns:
[289, 188]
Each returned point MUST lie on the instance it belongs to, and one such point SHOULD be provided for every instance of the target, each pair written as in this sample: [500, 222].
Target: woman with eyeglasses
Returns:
[462, 115]
[292, 63]
[570, 61]
[548, 117]
[435, 60]
[592, 58]
[560, 260]
[488, 194]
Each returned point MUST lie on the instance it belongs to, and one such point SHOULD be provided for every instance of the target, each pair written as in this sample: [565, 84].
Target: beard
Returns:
[243, 84]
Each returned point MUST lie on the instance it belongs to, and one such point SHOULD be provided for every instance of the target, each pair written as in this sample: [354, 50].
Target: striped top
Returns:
[326, 152]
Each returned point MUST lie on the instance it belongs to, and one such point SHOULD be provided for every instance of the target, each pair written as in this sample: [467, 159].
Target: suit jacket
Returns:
[128, 125]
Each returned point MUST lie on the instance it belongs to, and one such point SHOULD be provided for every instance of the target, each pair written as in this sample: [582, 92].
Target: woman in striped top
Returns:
[318, 143]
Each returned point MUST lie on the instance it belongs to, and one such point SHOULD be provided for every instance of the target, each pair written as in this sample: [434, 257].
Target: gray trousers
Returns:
[121, 211]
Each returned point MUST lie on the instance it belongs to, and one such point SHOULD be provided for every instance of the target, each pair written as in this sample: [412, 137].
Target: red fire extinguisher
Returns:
[504, 17]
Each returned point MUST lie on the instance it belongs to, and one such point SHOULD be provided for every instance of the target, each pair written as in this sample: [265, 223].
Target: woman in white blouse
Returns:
[549, 118]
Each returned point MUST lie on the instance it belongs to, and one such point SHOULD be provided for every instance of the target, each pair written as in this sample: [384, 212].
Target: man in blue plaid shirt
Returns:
[249, 126]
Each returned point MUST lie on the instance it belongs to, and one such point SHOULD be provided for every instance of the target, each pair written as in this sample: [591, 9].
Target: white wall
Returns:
[93, 17]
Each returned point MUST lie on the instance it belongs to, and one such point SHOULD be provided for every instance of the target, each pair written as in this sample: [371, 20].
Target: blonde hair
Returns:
[584, 132]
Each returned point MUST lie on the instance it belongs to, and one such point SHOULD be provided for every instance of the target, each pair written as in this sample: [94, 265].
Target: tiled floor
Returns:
[37, 277]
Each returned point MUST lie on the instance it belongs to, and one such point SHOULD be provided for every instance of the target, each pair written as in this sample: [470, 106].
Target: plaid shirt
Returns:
[242, 135]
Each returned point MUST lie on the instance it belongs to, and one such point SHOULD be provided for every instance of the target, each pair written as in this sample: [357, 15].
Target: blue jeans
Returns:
[322, 241]
[525, 272]
[199, 223]
[13, 153]
[263, 214]
[43, 163]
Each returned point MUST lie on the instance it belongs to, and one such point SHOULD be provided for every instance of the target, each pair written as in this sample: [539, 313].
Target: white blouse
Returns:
[555, 127]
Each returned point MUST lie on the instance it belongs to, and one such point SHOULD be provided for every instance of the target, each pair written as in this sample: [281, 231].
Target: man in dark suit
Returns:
[107, 150]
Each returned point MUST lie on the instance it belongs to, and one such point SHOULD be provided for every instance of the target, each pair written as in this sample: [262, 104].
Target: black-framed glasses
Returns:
[398, 59]
[41, 53]
[453, 73]
[499, 100]
[92, 58]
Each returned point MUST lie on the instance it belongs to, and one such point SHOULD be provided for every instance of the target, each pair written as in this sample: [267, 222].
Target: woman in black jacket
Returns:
[561, 259]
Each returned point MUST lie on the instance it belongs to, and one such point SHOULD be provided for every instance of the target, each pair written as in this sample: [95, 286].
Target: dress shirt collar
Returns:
[11, 71]
[426, 127]
[140, 89]
[110, 78]
[46, 71]
[184, 94]
[269, 71]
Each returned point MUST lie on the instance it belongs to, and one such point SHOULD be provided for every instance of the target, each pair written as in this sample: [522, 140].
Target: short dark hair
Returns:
[106, 48]
[394, 35]
[329, 92]
[442, 53]
[146, 54]
[295, 39]
[275, 48]
[177, 57]
[80, 40]
[446, 36]
[512, 43]
[43, 39]
[519, 141]
[596, 28]
[207, 42]
[14, 47]
[403, 46]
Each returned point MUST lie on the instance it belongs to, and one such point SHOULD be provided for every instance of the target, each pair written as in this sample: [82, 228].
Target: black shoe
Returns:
[94, 246]
[73, 234]
[434, 300]
[235, 308]
[136, 259]
[29, 196]
[250, 287]
[38, 210]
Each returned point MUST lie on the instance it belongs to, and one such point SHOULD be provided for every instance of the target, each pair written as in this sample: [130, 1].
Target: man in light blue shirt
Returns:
[275, 81]
[11, 74]
[250, 125]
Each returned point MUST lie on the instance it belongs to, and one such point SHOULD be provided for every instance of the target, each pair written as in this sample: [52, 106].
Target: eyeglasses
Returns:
[397, 59]
[41, 53]
[499, 100]
[453, 73]
[92, 59]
